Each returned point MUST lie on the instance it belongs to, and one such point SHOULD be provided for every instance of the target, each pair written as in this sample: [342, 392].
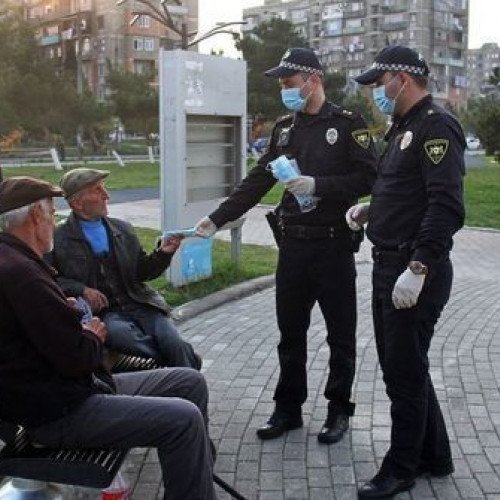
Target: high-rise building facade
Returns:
[86, 35]
[346, 34]
[480, 65]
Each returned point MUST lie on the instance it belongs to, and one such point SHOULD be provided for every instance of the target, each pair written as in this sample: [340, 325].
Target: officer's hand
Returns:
[407, 289]
[97, 300]
[205, 228]
[357, 216]
[302, 185]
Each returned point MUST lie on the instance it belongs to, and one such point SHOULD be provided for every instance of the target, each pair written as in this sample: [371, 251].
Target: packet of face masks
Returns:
[180, 232]
[286, 170]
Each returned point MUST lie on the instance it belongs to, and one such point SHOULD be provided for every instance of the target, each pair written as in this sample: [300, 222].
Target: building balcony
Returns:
[49, 40]
[392, 9]
[337, 32]
[353, 31]
[402, 25]
[448, 61]
[349, 14]
[458, 45]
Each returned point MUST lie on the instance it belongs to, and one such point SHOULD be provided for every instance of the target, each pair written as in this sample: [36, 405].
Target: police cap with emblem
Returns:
[394, 58]
[297, 60]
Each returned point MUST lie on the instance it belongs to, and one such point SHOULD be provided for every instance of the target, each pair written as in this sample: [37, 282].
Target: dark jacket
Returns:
[77, 266]
[46, 357]
[333, 146]
[417, 200]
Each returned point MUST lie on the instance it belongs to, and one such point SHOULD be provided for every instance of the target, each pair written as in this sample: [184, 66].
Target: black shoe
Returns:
[277, 425]
[438, 470]
[334, 428]
[385, 486]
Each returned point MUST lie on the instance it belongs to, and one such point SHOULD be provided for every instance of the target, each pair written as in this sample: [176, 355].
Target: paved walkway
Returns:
[238, 343]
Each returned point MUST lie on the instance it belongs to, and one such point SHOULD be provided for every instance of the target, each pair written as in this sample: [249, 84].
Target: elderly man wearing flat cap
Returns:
[52, 381]
[100, 259]
[334, 153]
[415, 209]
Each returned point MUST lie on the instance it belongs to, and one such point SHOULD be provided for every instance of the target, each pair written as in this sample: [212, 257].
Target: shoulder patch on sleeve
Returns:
[362, 137]
[436, 149]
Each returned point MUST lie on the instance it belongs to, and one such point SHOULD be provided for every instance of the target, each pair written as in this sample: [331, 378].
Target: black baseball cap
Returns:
[297, 60]
[394, 58]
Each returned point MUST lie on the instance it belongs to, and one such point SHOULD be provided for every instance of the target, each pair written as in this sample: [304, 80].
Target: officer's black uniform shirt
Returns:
[418, 196]
[333, 146]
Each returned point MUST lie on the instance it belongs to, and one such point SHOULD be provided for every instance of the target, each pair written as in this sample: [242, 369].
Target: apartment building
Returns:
[84, 35]
[346, 34]
[480, 65]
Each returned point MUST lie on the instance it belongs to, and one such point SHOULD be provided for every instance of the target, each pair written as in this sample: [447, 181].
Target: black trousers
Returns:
[319, 270]
[418, 434]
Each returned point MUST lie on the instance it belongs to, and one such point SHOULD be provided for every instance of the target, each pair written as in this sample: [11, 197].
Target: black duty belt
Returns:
[312, 232]
[391, 254]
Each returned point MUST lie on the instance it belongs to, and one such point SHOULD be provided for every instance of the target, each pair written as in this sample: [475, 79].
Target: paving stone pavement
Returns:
[238, 343]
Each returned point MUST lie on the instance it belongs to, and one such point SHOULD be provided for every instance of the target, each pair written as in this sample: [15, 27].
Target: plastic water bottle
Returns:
[286, 170]
[119, 489]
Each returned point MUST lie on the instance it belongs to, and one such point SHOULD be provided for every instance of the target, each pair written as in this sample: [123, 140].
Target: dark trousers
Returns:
[319, 270]
[147, 332]
[418, 434]
[165, 409]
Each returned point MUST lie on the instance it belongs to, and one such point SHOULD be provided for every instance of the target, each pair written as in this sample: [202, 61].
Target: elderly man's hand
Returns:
[98, 328]
[170, 244]
[96, 299]
[304, 185]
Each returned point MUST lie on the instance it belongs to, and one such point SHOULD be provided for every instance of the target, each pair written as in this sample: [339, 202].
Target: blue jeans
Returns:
[149, 333]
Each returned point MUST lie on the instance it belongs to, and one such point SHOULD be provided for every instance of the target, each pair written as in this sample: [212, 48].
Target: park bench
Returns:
[92, 467]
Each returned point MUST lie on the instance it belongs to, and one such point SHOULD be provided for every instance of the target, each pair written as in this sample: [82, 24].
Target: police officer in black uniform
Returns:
[335, 155]
[416, 208]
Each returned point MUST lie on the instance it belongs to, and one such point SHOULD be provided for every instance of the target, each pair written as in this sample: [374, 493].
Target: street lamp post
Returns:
[165, 17]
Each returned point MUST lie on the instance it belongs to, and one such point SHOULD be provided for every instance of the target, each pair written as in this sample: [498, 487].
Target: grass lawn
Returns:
[133, 175]
[482, 197]
[255, 261]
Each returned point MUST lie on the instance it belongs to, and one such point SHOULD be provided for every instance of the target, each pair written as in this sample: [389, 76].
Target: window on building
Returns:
[298, 15]
[149, 44]
[100, 22]
[139, 44]
[101, 69]
[144, 21]
[354, 23]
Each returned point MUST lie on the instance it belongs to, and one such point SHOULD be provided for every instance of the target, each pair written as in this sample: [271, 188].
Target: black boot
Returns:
[385, 486]
[334, 428]
[278, 424]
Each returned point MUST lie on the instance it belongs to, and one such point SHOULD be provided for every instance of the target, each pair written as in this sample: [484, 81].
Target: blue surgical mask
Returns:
[385, 104]
[292, 99]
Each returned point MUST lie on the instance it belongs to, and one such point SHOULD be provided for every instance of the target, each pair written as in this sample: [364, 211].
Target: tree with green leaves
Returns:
[134, 100]
[35, 93]
[262, 49]
[482, 117]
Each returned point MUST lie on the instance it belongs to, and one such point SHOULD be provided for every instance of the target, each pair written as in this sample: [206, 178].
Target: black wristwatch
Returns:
[416, 267]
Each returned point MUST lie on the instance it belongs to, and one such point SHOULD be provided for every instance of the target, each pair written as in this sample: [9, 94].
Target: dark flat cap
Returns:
[394, 58]
[295, 61]
[17, 192]
[79, 178]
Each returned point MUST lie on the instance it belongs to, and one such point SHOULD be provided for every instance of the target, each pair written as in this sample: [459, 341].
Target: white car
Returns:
[473, 143]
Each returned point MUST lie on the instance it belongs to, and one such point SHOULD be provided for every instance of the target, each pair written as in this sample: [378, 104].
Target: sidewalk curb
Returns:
[193, 308]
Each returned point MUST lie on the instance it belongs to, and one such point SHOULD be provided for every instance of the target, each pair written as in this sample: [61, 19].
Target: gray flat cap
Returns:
[79, 178]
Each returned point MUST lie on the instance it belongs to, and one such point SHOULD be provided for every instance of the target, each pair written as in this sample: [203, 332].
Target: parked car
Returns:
[473, 143]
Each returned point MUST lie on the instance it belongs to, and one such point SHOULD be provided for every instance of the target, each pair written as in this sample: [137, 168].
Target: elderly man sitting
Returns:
[50, 364]
[101, 259]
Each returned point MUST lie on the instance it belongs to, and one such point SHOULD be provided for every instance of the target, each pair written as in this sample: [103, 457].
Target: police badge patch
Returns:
[331, 136]
[362, 137]
[436, 149]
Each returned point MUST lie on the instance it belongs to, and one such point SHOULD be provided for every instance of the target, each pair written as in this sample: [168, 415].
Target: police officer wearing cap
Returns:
[335, 155]
[416, 207]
